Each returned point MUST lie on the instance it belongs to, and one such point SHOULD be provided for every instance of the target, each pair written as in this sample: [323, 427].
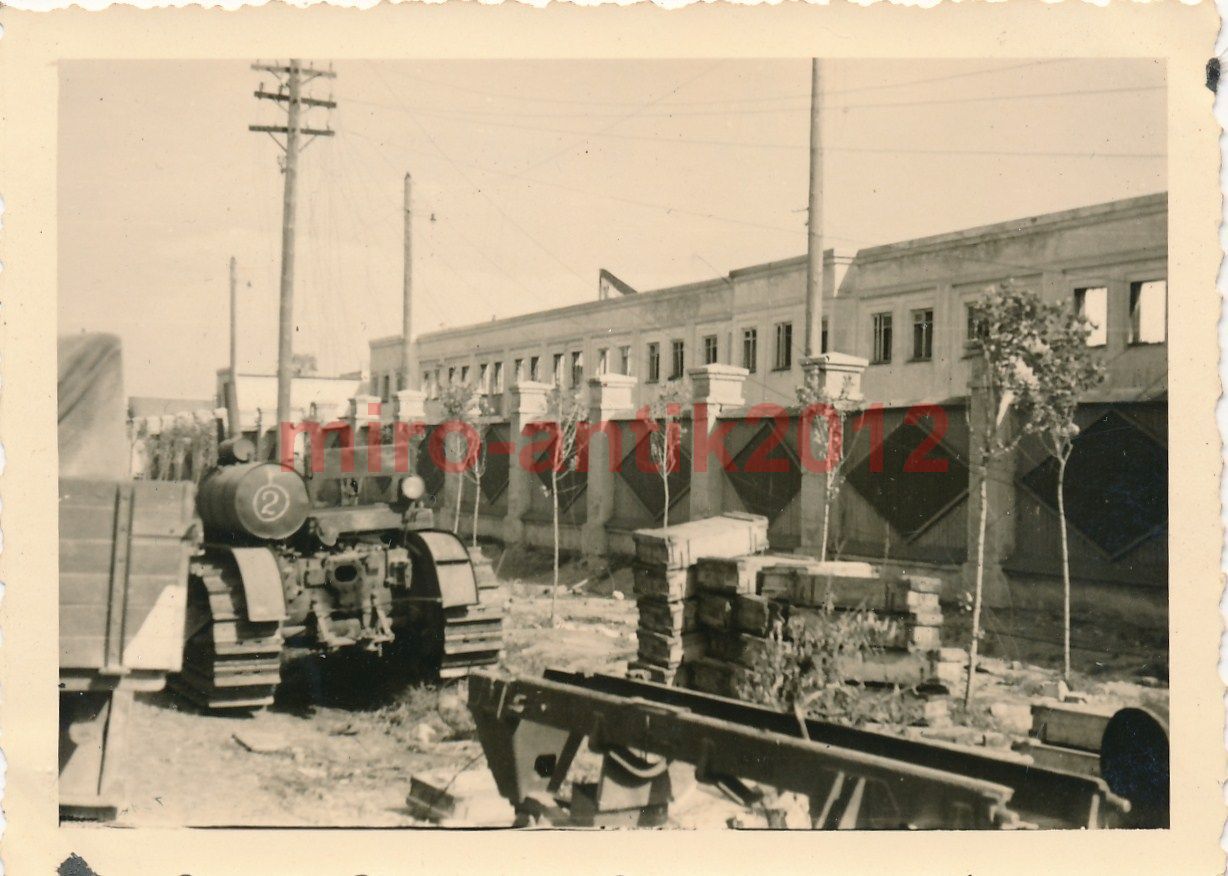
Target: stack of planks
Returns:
[666, 586]
[742, 599]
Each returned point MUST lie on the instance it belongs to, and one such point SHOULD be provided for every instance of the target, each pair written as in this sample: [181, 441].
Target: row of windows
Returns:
[568, 369]
[1148, 312]
[1148, 316]
[922, 336]
[1148, 319]
[782, 354]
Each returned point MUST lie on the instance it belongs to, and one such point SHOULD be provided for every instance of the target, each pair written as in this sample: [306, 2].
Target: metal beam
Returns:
[891, 794]
[1046, 796]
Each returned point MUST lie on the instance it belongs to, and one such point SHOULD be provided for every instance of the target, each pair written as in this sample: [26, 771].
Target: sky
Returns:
[530, 176]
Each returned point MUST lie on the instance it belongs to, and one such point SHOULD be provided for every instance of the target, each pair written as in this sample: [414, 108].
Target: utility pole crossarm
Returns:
[282, 129]
[305, 101]
[299, 70]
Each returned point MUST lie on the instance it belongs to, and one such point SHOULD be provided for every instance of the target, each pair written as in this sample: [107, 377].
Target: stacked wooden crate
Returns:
[737, 610]
[667, 586]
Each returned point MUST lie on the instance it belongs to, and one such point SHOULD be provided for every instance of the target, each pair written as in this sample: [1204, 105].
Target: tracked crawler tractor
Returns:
[331, 561]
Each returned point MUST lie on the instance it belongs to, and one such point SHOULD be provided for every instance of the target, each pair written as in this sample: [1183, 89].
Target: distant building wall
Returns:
[330, 396]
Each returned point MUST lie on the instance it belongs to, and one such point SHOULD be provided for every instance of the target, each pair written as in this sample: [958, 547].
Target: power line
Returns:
[699, 214]
[566, 149]
[988, 98]
[668, 208]
[718, 101]
[484, 194]
[685, 141]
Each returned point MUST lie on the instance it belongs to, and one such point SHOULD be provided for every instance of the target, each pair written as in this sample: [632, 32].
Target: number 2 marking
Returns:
[270, 502]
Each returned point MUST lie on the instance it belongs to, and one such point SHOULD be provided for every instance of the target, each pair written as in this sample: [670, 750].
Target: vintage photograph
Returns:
[678, 443]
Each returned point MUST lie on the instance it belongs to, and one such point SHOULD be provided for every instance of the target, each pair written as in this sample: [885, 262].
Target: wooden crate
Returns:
[674, 618]
[716, 612]
[676, 674]
[735, 575]
[662, 584]
[681, 546]
[668, 650]
[740, 648]
[756, 614]
[715, 676]
[124, 551]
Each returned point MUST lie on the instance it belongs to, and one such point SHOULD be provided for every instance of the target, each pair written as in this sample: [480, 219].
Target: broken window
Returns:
[882, 338]
[678, 360]
[784, 347]
[923, 334]
[1148, 311]
[750, 349]
[1092, 303]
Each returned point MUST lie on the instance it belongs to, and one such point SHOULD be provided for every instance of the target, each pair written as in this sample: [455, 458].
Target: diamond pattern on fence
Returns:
[1116, 484]
[910, 500]
[572, 484]
[763, 489]
[498, 461]
[647, 485]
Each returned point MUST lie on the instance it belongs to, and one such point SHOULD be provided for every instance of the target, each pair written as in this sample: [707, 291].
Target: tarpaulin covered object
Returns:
[93, 430]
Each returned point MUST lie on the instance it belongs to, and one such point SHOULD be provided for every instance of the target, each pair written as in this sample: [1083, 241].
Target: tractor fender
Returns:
[263, 591]
[442, 568]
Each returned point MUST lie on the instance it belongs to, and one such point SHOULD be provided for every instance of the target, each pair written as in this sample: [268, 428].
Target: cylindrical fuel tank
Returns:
[258, 499]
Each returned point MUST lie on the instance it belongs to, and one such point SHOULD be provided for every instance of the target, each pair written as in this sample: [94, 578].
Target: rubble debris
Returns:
[425, 735]
[260, 742]
[468, 798]
[1012, 717]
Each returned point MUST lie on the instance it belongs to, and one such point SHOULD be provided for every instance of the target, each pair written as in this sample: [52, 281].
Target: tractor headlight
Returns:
[413, 488]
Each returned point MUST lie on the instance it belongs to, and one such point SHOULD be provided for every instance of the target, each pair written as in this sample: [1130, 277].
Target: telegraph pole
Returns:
[232, 395]
[291, 80]
[814, 231]
[409, 354]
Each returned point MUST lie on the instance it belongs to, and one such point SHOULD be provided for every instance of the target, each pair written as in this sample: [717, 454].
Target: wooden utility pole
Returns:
[292, 78]
[814, 232]
[409, 353]
[232, 387]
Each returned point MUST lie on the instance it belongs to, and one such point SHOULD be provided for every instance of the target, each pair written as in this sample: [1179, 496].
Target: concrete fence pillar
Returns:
[999, 476]
[364, 411]
[609, 396]
[411, 405]
[836, 376]
[714, 389]
[527, 403]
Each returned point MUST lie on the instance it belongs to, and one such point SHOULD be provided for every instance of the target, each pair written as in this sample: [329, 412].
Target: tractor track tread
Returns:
[472, 637]
[229, 663]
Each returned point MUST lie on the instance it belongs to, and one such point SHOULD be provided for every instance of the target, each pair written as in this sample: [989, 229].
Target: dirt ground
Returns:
[342, 742]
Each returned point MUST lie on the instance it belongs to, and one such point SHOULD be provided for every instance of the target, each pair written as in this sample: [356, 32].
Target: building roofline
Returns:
[222, 371]
[1142, 205]
[582, 307]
